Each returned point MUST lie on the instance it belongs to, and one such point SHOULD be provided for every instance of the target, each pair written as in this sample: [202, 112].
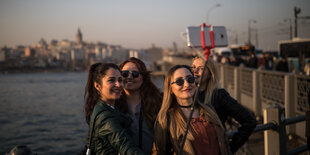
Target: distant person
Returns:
[291, 66]
[21, 150]
[261, 61]
[244, 61]
[307, 68]
[253, 62]
[109, 129]
[283, 65]
[225, 60]
[268, 62]
[140, 100]
[275, 62]
[234, 61]
[224, 105]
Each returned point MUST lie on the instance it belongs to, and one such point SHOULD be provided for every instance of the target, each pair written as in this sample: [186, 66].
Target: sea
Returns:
[44, 111]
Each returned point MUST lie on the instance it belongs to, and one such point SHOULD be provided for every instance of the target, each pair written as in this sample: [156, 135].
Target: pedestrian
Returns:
[141, 100]
[108, 128]
[224, 105]
[307, 68]
[206, 134]
[261, 61]
[253, 62]
[283, 65]
[269, 62]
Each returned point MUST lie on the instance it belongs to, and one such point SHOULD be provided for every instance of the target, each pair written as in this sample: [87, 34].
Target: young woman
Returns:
[206, 133]
[223, 103]
[140, 100]
[108, 128]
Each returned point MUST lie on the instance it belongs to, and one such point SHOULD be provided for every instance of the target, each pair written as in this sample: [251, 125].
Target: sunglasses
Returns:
[180, 81]
[134, 74]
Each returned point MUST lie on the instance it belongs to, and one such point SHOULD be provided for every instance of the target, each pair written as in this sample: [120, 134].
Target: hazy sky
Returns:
[141, 23]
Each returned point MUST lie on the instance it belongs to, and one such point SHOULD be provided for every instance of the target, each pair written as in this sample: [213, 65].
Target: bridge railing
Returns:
[274, 129]
[259, 89]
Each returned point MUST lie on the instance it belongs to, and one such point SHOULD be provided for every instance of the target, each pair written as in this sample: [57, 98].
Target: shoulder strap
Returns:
[140, 127]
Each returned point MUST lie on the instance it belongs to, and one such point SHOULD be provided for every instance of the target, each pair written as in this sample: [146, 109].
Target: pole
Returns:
[206, 54]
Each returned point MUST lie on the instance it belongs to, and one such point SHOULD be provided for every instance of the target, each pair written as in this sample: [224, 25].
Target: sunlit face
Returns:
[197, 68]
[132, 83]
[111, 85]
[187, 89]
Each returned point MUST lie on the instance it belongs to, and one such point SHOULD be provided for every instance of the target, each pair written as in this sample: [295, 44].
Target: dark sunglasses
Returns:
[134, 74]
[180, 81]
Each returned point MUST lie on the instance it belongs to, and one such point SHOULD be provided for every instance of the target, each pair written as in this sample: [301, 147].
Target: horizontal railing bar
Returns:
[262, 127]
[258, 128]
[296, 119]
[297, 150]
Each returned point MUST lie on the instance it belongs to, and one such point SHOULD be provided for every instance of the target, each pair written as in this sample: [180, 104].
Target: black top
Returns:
[225, 106]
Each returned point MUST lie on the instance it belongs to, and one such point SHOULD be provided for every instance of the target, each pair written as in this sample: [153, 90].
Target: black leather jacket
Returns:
[225, 106]
[111, 132]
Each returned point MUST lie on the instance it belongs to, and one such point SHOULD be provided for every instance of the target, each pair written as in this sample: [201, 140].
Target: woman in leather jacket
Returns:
[108, 128]
[206, 134]
[223, 103]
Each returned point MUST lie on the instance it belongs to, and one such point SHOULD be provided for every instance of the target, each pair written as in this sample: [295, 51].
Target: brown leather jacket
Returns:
[165, 144]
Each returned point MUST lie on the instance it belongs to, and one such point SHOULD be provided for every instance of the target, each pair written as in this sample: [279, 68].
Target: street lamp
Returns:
[291, 29]
[215, 6]
[249, 39]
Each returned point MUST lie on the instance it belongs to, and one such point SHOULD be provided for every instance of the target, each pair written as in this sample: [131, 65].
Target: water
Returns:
[44, 111]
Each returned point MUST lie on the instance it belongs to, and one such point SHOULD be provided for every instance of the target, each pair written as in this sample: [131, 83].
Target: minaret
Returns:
[79, 37]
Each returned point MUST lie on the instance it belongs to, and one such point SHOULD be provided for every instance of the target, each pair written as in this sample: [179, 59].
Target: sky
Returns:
[141, 23]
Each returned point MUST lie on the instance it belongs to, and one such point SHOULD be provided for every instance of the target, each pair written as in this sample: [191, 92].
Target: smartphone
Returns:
[193, 36]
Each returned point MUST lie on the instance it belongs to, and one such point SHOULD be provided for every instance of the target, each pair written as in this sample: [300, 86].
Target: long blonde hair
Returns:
[212, 79]
[178, 125]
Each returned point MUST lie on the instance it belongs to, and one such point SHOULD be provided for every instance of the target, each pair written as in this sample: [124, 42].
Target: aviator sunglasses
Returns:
[134, 74]
[180, 81]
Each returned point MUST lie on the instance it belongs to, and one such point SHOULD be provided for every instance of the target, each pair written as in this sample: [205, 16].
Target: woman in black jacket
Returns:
[108, 128]
[223, 103]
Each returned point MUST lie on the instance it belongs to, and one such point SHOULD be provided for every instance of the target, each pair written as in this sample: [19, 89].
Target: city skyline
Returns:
[139, 24]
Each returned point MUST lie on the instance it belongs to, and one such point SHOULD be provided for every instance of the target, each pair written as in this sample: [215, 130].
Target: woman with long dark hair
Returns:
[108, 128]
[206, 134]
[140, 100]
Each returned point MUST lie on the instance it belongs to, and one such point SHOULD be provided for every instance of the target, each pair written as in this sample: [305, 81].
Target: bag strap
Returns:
[140, 127]
[97, 110]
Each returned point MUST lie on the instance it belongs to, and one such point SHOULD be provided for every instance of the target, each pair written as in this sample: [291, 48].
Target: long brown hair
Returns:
[178, 123]
[149, 93]
[96, 72]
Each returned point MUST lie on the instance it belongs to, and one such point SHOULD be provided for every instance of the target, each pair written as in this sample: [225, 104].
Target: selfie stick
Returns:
[206, 53]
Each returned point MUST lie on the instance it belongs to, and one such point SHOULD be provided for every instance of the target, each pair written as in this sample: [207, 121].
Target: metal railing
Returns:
[279, 125]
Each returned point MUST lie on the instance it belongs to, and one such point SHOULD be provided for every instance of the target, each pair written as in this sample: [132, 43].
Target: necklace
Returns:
[185, 106]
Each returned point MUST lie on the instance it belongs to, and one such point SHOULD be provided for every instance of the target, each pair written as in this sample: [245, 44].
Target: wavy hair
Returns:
[96, 72]
[149, 93]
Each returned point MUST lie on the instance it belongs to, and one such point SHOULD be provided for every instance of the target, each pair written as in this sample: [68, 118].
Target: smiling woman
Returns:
[206, 134]
[108, 127]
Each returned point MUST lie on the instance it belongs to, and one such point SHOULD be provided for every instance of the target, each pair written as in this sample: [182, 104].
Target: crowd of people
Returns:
[263, 61]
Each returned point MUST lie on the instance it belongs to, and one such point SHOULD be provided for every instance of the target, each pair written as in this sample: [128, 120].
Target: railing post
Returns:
[282, 130]
[237, 84]
[256, 94]
[289, 97]
[271, 137]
